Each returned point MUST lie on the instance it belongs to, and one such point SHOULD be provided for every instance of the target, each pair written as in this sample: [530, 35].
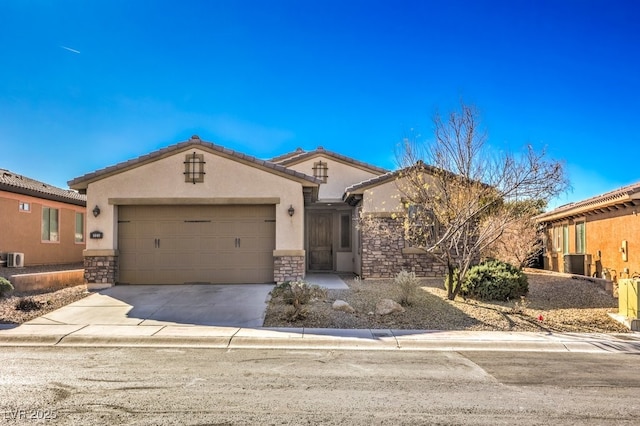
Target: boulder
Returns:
[341, 305]
[388, 306]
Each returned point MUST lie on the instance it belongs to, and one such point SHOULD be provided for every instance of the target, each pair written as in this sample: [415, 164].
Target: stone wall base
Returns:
[100, 271]
[288, 268]
[383, 256]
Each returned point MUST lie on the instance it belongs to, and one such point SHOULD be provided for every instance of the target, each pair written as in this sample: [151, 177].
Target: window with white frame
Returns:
[565, 239]
[580, 237]
[24, 207]
[79, 234]
[50, 224]
[557, 238]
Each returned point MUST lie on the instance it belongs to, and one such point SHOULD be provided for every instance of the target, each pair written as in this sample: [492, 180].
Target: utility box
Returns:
[628, 297]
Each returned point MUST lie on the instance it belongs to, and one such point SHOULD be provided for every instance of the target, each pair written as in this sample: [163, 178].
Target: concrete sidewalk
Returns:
[309, 338]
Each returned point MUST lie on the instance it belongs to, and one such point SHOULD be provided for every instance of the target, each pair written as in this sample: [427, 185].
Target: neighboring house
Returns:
[595, 237]
[196, 212]
[44, 224]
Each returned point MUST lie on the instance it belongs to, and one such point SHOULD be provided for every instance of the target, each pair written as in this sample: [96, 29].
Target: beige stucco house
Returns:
[196, 212]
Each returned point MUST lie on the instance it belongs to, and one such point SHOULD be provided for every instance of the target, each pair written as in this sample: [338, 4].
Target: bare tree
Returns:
[520, 242]
[462, 196]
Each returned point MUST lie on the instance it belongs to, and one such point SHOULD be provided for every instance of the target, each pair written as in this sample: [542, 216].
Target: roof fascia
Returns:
[335, 156]
[42, 195]
[83, 182]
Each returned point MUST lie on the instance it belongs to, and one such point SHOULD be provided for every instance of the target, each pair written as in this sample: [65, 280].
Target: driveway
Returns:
[238, 305]
[222, 305]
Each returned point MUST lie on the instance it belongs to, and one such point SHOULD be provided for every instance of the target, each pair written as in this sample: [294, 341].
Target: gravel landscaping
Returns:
[554, 304]
[43, 301]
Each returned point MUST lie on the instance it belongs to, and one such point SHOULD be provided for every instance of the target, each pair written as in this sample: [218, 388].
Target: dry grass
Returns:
[554, 303]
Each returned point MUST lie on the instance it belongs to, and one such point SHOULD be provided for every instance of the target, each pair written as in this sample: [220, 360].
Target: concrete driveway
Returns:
[222, 305]
[238, 305]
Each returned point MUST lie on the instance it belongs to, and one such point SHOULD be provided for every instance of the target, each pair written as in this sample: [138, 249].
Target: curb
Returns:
[312, 339]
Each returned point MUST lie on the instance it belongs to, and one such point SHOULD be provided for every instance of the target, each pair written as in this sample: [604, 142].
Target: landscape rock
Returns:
[341, 305]
[388, 306]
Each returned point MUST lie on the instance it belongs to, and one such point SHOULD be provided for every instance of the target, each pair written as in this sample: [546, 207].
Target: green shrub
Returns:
[494, 280]
[408, 285]
[5, 287]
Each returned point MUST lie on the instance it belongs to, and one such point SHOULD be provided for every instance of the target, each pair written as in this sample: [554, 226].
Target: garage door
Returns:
[196, 244]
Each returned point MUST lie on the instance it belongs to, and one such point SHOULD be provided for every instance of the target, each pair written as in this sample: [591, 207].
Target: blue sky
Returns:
[87, 84]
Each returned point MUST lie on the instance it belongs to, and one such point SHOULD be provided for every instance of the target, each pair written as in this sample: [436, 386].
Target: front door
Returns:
[320, 242]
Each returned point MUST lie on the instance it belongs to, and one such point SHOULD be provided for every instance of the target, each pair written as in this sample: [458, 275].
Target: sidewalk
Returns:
[299, 338]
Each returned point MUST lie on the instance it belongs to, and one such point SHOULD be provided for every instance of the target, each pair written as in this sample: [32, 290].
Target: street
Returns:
[156, 386]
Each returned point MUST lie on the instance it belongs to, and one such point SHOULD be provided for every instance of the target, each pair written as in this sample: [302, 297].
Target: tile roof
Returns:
[18, 184]
[195, 141]
[373, 181]
[300, 155]
[626, 194]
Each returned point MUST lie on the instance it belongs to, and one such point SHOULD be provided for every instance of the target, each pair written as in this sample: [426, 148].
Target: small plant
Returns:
[520, 307]
[293, 314]
[27, 304]
[297, 294]
[5, 287]
[408, 285]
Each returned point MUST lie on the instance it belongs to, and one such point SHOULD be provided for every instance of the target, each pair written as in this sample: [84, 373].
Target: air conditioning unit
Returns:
[15, 260]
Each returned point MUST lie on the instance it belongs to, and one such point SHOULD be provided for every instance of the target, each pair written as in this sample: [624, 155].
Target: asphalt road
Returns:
[159, 386]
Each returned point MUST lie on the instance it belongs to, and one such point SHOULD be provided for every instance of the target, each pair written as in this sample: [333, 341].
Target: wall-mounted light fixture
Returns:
[96, 211]
[291, 210]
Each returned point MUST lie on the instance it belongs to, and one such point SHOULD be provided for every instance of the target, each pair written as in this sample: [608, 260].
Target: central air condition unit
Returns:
[15, 260]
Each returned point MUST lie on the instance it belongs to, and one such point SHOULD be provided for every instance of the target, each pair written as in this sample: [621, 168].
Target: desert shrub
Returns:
[407, 284]
[5, 287]
[297, 294]
[27, 304]
[494, 280]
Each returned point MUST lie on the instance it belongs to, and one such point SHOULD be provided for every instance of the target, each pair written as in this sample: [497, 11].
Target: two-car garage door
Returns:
[196, 244]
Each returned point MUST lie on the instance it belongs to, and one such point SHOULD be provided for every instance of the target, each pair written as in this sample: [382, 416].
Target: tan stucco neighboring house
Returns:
[597, 236]
[196, 212]
[40, 224]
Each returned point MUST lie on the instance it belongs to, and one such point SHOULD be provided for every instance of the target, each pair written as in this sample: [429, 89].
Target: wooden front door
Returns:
[320, 242]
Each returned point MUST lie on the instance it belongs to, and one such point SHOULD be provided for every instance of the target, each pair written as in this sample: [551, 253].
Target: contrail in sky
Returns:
[70, 49]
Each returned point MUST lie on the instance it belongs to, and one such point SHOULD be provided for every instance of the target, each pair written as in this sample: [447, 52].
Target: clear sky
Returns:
[88, 84]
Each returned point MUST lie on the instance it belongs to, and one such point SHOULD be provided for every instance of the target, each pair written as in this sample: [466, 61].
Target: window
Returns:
[580, 237]
[320, 171]
[24, 207]
[50, 224]
[421, 226]
[557, 238]
[79, 228]
[565, 239]
[194, 168]
[345, 231]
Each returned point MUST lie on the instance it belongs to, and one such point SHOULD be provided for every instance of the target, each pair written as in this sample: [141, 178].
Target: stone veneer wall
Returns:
[383, 257]
[288, 268]
[100, 269]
